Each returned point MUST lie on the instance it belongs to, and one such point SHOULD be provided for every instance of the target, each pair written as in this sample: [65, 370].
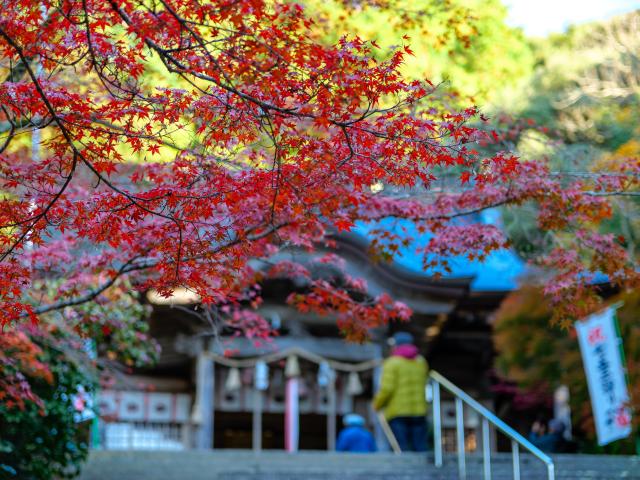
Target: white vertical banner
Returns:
[602, 356]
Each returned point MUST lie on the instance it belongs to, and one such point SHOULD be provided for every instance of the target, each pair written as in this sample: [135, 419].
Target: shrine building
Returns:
[292, 392]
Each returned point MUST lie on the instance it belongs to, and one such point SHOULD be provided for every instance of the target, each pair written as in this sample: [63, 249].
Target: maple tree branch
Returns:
[9, 137]
[133, 265]
[76, 155]
[127, 267]
[17, 71]
[65, 133]
[174, 65]
[617, 193]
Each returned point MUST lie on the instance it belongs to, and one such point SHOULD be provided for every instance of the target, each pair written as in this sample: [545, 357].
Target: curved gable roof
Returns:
[498, 272]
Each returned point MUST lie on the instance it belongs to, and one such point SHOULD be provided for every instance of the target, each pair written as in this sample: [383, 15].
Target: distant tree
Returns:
[587, 83]
[466, 44]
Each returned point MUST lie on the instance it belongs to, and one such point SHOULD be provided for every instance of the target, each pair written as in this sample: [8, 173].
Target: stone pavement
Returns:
[278, 465]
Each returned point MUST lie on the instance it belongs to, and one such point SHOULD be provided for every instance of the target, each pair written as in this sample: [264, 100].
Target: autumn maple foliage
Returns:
[179, 139]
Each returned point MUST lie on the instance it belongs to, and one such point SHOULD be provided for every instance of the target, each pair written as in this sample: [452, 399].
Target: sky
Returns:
[541, 17]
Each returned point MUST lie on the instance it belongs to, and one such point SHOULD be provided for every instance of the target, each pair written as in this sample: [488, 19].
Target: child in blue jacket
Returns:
[355, 437]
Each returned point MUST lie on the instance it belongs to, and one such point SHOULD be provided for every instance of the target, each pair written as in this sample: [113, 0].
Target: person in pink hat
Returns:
[402, 394]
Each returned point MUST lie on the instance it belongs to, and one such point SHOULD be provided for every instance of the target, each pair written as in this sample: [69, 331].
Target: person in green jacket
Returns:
[402, 394]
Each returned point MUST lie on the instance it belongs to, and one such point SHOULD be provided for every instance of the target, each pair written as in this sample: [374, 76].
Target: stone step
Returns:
[278, 465]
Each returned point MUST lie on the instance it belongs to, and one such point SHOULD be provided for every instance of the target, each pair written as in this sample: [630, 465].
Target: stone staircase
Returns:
[278, 465]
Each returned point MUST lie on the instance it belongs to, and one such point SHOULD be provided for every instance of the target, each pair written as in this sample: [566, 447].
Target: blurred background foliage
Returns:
[464, 43]
[585, 89]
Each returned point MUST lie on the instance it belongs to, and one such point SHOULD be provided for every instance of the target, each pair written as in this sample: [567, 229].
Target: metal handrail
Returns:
[488, 417]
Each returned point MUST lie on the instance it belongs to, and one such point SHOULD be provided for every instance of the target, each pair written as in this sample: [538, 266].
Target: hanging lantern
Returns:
[261, 376]
[354, 386]
[325, 374]
[292, 369]
[233, 380]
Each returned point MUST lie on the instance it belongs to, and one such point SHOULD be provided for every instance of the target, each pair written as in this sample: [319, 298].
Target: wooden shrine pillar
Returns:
[331, 413]
[260, 384]
[204, 405]
[292, 405]
[256, 435]
[327, 381]
[381, 440]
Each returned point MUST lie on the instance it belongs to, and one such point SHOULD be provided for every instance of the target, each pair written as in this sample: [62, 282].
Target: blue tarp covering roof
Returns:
[498, 272]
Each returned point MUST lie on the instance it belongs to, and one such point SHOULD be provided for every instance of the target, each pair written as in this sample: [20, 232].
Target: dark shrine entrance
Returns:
[233, 431]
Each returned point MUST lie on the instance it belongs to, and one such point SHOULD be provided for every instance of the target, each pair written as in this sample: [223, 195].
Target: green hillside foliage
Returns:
[587, 82]
[466, 44]
[585, 90]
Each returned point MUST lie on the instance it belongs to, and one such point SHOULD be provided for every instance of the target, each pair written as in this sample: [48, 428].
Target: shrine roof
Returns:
[499, 272]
